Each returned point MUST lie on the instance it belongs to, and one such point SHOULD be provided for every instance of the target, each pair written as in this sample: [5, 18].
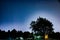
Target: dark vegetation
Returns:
[39, 27]
[14, 34]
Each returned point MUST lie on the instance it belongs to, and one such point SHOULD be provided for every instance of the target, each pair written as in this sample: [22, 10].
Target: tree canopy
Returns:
[42, 25]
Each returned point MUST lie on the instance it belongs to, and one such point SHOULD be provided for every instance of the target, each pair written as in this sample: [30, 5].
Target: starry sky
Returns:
[18, 14]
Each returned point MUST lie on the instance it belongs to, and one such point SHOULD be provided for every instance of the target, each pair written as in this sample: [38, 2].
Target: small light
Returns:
[21, 38]
[38, 36]
[46, 36]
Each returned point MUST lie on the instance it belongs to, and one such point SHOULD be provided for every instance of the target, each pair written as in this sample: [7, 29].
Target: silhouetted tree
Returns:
[26, 35]
[13, 33]
[19, 34]
[58, 0]
[42, 26]
[55, 35]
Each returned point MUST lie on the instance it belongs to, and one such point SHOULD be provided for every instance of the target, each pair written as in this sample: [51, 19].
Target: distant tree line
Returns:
[15, 34]
[55, 35]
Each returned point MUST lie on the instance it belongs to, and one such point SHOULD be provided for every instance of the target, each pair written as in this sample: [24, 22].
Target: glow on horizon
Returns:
[26, 25]
[51, 17]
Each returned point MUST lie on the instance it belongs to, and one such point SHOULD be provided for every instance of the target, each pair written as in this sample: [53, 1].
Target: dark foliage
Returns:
[42, 26]
[55, 35]
[58, 0]
[14, 34]
[25, 35]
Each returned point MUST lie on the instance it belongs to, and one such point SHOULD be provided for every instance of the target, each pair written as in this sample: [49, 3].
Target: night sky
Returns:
[15, 14]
